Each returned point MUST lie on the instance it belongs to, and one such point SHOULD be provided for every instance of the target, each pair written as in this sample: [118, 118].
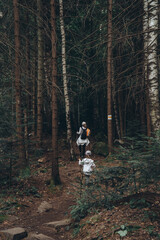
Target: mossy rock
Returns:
[100, 148]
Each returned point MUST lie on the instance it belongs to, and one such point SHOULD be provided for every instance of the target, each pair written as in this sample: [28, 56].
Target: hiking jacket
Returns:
[82, 141]
[88, 165]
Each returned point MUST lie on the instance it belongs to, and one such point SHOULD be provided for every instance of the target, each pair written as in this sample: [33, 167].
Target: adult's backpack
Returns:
[88, 132]
[84, 134]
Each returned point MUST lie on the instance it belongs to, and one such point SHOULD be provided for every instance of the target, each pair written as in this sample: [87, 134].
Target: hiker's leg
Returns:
[80, 150]
[84, 147]
[87, 179]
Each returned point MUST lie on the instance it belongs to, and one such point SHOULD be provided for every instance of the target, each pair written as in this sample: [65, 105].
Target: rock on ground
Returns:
[34, 236]
[59, 224]
[44, 207]
[13, 234]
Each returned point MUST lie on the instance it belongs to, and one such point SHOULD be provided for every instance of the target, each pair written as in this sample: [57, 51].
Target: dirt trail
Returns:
[61, 199]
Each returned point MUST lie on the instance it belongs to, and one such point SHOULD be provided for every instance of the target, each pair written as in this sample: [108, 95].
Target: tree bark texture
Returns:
[34, 94]
[150, 28]
[115, 103]
[121, 119]
[55, 169]
[153, 64]
[27, 103]
[66, 95]
[26, 136]
[40, 73]
[27, 95]
[19, 132]
[145, 37]
[109, 77]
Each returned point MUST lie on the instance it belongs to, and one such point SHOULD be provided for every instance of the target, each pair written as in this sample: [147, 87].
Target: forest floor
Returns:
[142, 224]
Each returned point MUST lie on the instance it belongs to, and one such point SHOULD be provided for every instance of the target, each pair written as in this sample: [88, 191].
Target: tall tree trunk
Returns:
[19, 132]
[34, 84]
[34, 95]
[26, 136]
[153, 64]
[55, 169]
[145, 36]
[27, 95]
[115, 103]
[40, 73]
[109, 77]
[66, 95]
[121, 118]
[148, 113]
[27, 69]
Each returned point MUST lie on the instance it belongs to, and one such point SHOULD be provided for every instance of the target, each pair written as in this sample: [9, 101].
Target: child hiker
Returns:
[88, 166]
[83, 140]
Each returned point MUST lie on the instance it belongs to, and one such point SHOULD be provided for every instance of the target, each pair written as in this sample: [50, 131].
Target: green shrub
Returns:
[25, 173]
[32, 191]
[9, 205]
[89, 200]
[152, 233]
[100, 148]
[139, 203]
[139, 168]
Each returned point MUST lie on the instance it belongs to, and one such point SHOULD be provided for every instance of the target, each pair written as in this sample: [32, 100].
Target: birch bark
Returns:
[66, 95]
[150, 28]
[153, 64]
[145, 36]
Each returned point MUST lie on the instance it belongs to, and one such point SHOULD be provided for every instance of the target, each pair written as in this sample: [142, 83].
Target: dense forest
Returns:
[63, 62]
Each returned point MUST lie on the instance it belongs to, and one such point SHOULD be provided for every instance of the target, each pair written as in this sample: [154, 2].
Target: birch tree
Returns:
[145, 36]
[150, 25]
[65, 86]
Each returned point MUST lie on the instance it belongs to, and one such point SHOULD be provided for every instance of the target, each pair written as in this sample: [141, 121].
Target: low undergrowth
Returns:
[138, 171]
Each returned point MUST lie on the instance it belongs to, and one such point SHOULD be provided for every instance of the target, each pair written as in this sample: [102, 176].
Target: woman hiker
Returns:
[83, 140]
